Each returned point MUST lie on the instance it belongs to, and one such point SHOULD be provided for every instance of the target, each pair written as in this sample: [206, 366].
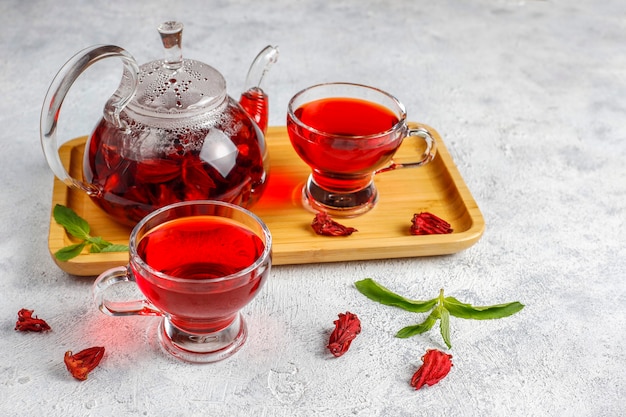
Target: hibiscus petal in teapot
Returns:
[169, 133]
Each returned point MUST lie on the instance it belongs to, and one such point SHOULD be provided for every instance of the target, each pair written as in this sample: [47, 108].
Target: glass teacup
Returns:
[347, 133]
[197, 264]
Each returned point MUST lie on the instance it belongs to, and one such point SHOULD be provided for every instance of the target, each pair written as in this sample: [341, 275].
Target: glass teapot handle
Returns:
[59, 88]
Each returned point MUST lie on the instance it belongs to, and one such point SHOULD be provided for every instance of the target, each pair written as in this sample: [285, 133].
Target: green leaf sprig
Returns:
[79, 228]
[441, 308]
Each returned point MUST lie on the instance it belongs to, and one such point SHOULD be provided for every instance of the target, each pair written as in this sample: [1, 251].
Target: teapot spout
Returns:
[260, 66]
[253, 99]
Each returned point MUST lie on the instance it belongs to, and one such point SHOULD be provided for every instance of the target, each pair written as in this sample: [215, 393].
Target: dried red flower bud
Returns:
[27, 323]
[156, 171]
[426, 223]
[346, 328]
[324, 225]
[436, 366]
[83, 362]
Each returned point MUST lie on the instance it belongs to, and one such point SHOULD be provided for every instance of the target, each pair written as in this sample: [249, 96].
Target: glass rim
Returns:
[401, 119]
[135, 258]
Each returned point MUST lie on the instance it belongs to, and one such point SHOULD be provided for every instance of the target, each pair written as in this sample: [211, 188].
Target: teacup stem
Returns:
[339, 204]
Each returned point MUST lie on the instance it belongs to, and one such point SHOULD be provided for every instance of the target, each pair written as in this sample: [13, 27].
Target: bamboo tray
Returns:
[383, 233]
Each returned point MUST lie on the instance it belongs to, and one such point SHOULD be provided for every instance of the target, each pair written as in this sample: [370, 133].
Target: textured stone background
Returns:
[529, 98]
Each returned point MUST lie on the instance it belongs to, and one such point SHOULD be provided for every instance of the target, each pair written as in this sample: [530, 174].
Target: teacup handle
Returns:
[416, 131]
[118, 276]
[59, 88]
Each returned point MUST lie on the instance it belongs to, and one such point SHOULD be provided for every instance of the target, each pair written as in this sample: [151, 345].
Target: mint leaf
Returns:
[467, 311]
[114, 247]
[79, 228]
[424, 326]
[442, 308]
[97, 244]
[444, 326]
[100, 245]
[72, 222]
[376, 292]
[69, 252]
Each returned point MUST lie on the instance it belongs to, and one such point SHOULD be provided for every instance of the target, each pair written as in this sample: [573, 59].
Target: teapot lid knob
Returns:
[172, 37]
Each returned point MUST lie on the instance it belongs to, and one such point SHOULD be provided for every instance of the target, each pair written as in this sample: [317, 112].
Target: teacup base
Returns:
[203, 348]
[339, 204]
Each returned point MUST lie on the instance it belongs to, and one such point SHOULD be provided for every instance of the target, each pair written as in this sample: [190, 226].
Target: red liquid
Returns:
[156, 167]
[256, 103]
[337, 155]
[200, 248]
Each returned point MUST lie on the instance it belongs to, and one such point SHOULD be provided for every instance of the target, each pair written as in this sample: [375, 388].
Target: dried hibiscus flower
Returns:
[324, 225]
[83, 362]
[426, 223]
[436, 366]
[27, 323]
[347, 327]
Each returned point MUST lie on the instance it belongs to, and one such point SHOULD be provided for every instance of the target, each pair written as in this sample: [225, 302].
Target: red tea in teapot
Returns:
[256, 103]
[150, 168]
[169, 133]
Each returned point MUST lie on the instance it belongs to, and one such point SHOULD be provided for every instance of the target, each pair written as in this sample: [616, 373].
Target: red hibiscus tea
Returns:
[340, 141]
[347, 133]
[197, 264]
[256, 102]
[200, 248]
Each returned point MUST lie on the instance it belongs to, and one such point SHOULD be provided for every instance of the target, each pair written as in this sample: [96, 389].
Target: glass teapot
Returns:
[169, 133]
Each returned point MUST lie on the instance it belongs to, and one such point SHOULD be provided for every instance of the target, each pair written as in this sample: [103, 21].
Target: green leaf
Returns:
[69, 252]
[98, 244]
[72, 222]
[442, 308]
[101, 245]
[376, 292]
[79, 228]
[444, 325]
[424, 326]
[467, 311]
[115, 248]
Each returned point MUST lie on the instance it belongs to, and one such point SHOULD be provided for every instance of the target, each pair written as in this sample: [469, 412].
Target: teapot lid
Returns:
[174, 86]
